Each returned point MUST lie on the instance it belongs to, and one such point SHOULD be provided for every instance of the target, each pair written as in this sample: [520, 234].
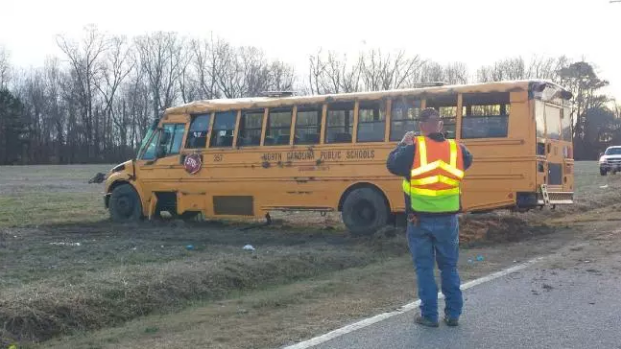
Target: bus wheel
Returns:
[364, 211]
[125, 204]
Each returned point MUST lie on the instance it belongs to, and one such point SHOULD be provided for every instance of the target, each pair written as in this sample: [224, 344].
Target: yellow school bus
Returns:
[280, 152]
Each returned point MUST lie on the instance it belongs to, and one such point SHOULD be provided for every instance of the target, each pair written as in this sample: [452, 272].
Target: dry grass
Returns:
[285, 314]
[120, 273]
[35, 195]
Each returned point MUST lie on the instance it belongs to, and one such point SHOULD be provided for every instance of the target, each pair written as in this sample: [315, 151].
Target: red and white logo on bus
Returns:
[192, 163]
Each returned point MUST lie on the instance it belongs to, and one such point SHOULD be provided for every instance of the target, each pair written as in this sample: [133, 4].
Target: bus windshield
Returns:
[147, 137]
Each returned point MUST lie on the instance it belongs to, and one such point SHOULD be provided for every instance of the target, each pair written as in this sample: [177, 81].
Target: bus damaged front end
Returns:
[554, 166]
[125, 173]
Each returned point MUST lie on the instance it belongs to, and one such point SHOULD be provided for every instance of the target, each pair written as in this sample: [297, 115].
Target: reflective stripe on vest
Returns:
[435, 187]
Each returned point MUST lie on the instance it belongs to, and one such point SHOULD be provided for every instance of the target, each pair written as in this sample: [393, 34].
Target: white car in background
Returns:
[610, 160]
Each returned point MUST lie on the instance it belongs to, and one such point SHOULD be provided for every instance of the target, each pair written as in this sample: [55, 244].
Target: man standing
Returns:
[433, 167]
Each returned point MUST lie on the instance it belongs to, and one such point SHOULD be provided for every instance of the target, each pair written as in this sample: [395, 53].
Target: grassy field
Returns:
[71, 279]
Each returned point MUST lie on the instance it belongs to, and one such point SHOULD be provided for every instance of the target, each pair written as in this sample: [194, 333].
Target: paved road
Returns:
[570, 302]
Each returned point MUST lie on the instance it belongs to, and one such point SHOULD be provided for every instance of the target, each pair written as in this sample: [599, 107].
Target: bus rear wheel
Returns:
[125, 204]
[364, 211]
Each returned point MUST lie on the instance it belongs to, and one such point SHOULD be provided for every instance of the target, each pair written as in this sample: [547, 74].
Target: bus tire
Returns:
[364, 211]
[125, 205]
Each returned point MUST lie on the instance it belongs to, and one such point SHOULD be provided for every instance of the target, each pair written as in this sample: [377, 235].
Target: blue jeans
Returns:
[436, 239]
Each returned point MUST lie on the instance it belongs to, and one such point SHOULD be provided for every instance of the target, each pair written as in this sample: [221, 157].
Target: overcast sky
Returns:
[476, 32]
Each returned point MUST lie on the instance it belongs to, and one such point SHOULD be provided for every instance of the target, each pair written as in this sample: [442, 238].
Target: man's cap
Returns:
[429, 114]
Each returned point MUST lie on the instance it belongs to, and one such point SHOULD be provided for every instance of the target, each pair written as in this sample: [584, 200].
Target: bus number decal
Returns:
[217, 157]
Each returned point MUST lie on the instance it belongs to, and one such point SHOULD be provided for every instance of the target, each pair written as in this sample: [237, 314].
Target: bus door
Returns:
[552, 150]
[159, 166]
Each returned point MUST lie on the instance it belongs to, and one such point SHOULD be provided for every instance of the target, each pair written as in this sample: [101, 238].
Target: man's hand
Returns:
[408, 138]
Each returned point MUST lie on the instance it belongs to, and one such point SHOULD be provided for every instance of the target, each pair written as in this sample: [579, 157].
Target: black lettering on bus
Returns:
[271, 157]
[361, 154]
[331, 155]
[301, 155]
[217, 157]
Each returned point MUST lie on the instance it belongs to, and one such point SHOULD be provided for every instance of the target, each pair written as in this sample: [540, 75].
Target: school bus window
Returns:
[250, 127]
[197, 136]
[339, 122]
[371, 121]
[308, 124]
[223, 128]
[173, 137]
[278, 127]
[553, 121]
[566, 123]
[540, 121]
[149, 152]
[485, 115]
[404, 115]
[446, 105]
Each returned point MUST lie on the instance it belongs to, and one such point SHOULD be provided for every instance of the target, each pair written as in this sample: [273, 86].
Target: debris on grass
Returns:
[65, 244]
[98, 178]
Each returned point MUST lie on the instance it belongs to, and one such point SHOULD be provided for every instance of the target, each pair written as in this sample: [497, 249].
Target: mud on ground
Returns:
[65, 268]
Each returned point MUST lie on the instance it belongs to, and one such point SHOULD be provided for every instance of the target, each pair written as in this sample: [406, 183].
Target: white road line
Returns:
[408, 307]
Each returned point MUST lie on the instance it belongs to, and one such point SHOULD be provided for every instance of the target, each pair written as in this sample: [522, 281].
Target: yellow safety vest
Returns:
[437, 171]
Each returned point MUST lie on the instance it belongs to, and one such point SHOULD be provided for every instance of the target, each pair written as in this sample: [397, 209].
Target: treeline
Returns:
[94, 103]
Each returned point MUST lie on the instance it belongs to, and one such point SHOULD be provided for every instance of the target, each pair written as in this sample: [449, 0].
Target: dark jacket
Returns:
[401, 159]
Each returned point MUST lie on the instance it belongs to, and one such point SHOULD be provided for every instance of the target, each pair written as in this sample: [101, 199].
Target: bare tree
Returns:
[384, 72]
[456, 73]
[332, 74]
[4, 67]
[53, 76]
[162, 57]
[246, 72]
[255, 74]
[315, 72]
[96, 104]
[282, 76]
[115, 67]
[85, 60]
[207, 63]
[506, 69]
[136, 94]
[430, 72]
